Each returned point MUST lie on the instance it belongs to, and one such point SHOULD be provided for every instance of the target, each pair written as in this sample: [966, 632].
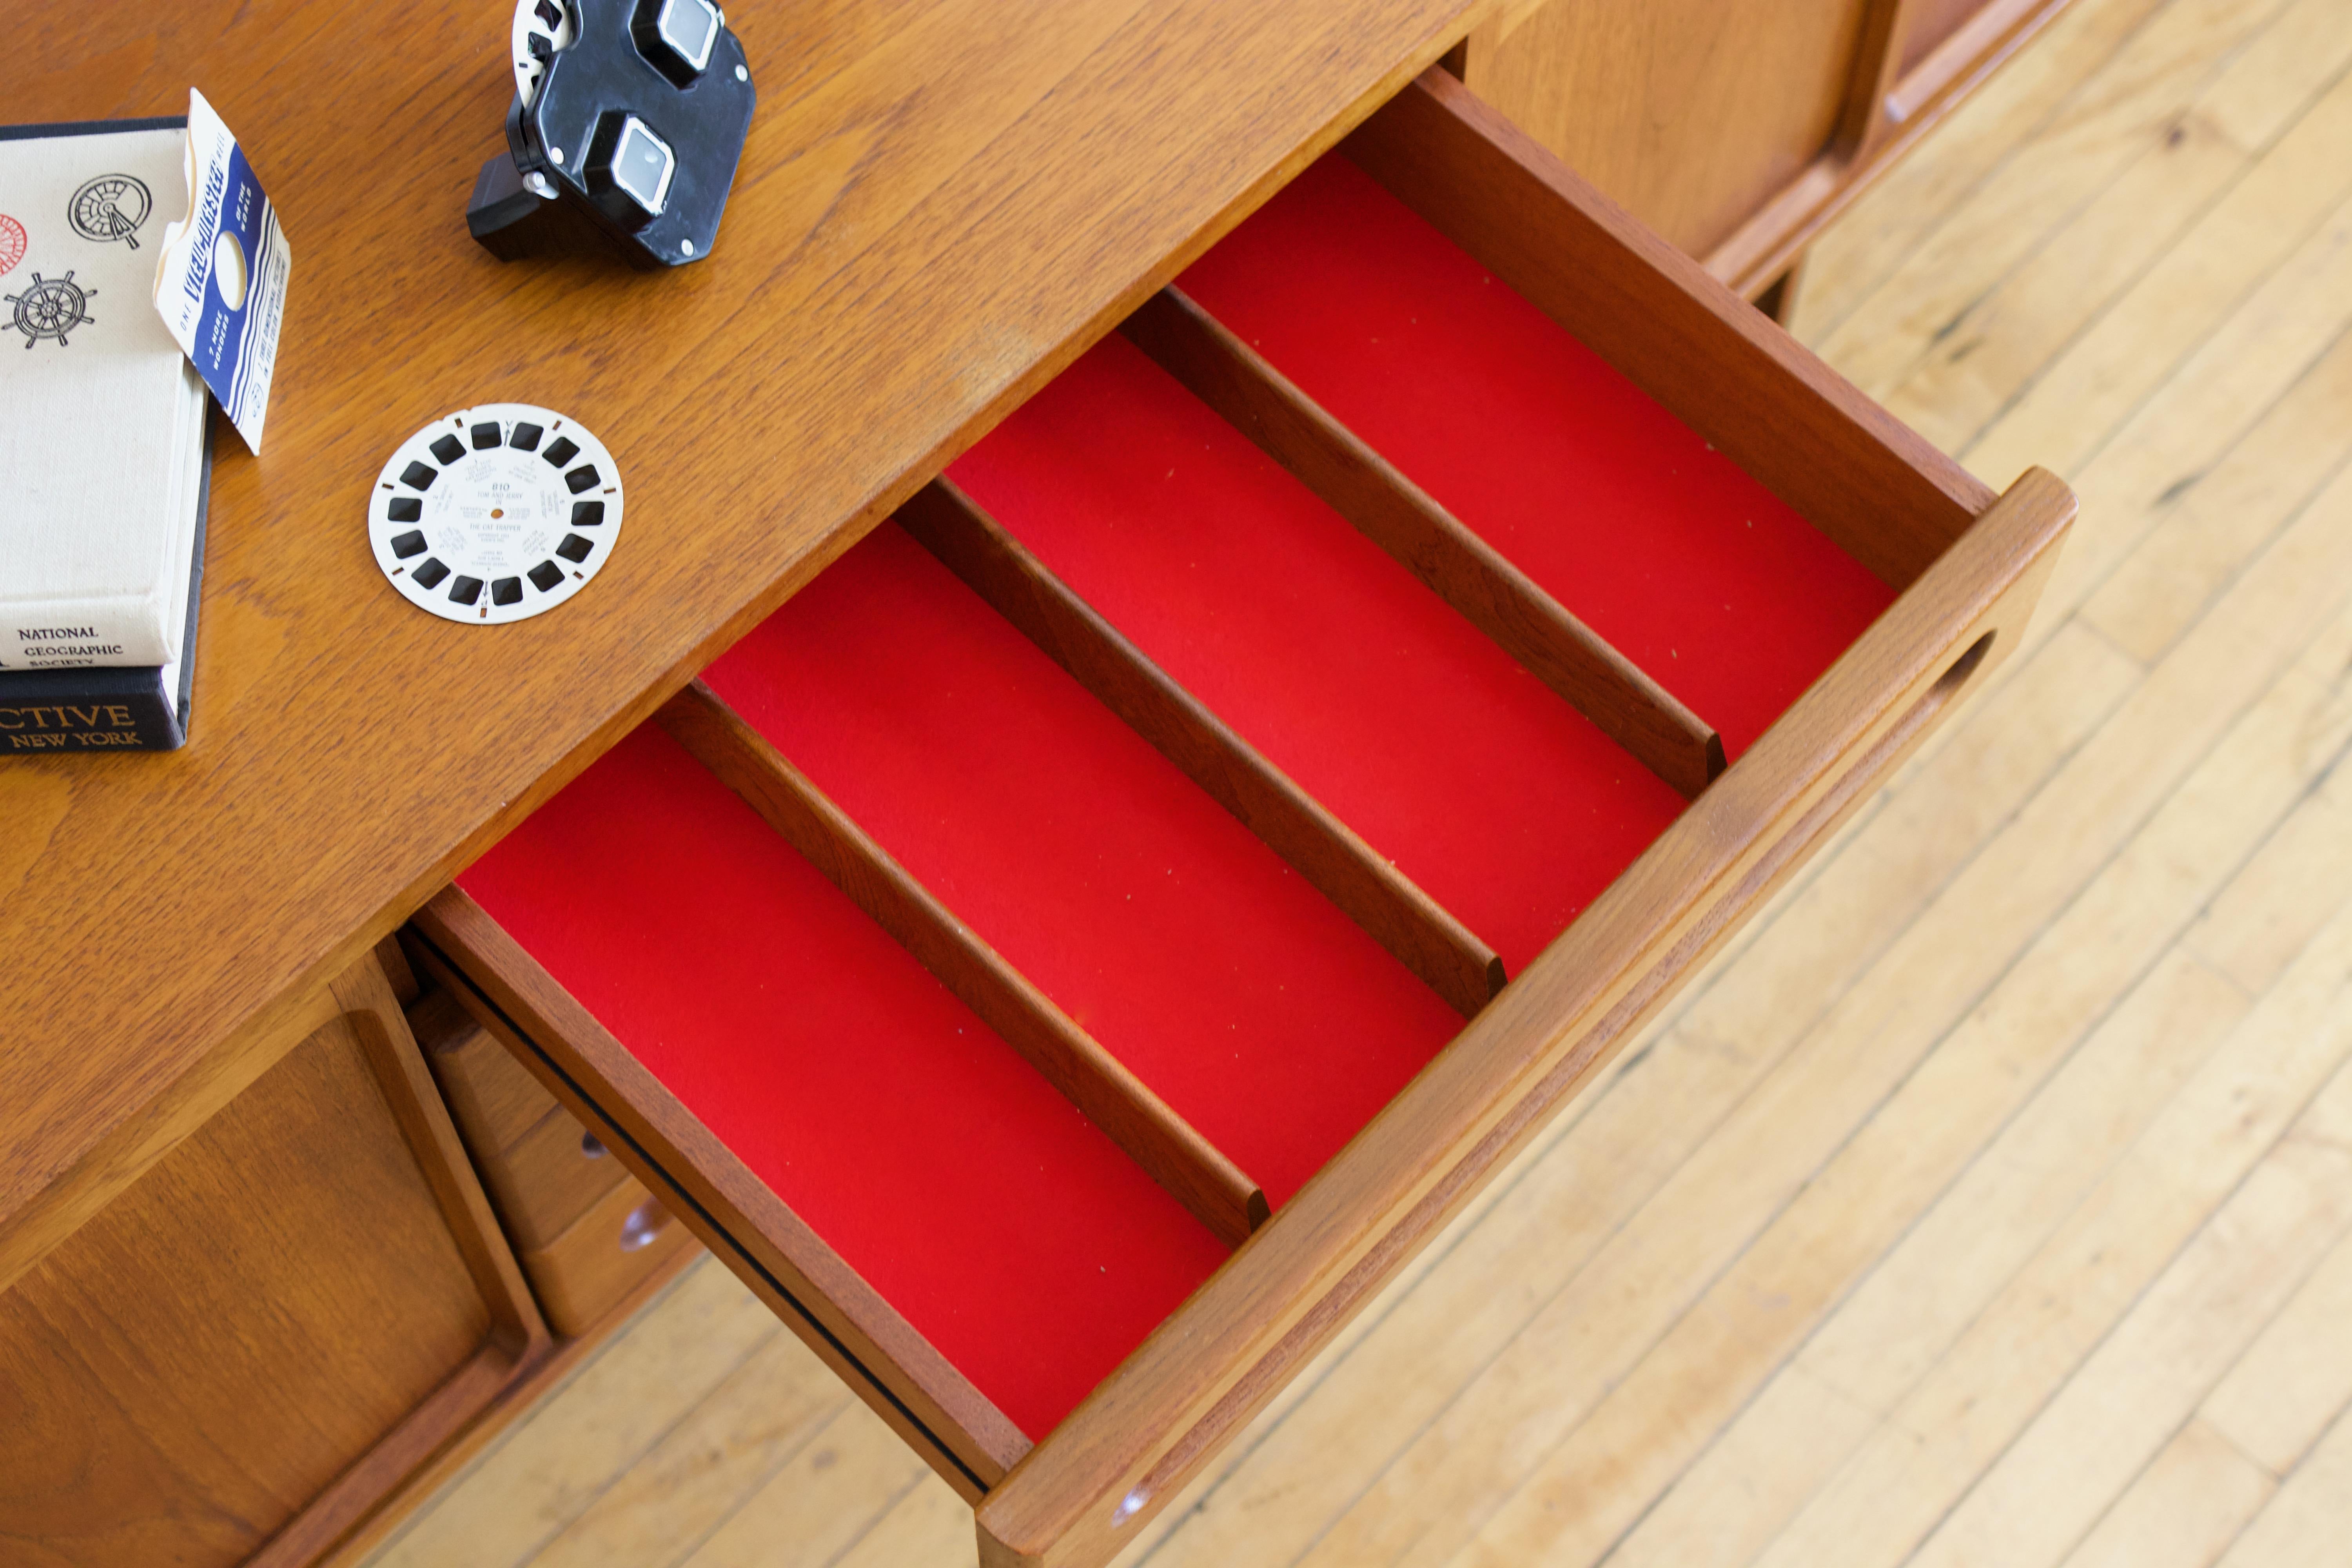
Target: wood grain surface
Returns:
[1693, 113]
[493, 1097]
[542, 1169]
[263, 1333]
[548, 1179]
[1739, 129]
[300, 1304]
[941, 202]
[623, 1240]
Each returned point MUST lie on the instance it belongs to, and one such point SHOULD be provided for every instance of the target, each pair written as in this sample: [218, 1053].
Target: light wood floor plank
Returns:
[721, 1453]
[1979, 142]
[2206, 535]
[1931, 1285]
[1740, 1492]
[2308, 1522]
[929, 1524]
[2202, 413]
[550, 1468]
[1641, 1437]
[2094, 382]
[2301, 878]
[2111, 1417]
[2183, 1510]
[1910, 1307]
[2116, 117]
[2003, 340]
[2295, 1379]
[832, 1492]
[2024, 1345]
[1770, 1459]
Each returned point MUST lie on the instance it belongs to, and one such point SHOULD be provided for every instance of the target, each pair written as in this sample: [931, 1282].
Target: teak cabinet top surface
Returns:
[941, 202]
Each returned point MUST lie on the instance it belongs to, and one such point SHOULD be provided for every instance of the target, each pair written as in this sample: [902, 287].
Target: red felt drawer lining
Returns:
[1009, 1231]
[1499, 799]
[1262, 1015]
[1689, 566]
[1012, 1235]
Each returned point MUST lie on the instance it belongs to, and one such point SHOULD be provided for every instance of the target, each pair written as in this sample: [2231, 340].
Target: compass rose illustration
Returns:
[51, 307]
[109, 208]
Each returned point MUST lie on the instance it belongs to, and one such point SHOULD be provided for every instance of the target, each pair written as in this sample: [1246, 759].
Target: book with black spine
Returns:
[120, 708]
[105, 455]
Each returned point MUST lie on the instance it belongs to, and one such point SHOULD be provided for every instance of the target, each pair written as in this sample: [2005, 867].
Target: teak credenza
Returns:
[1155, 722]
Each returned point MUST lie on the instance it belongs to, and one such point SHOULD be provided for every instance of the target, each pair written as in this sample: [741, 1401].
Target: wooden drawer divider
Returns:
[1370, 891]
[1072, 1060]
[1235, 381]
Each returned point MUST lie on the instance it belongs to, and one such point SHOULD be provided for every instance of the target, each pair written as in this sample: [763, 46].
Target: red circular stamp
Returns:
[12, 243]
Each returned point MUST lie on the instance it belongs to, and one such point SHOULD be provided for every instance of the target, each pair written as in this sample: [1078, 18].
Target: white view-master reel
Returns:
[495, 513]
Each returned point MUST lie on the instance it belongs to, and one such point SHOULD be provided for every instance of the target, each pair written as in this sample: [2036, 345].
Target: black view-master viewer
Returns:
[628, 118]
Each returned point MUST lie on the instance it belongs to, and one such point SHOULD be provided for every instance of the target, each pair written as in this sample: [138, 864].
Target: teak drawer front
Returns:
[602, 1256]
[1198, 752]
[544, 1170]
[547, 1181]
[492, 1098]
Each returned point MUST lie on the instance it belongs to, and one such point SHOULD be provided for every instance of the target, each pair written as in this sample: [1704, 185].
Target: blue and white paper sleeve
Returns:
[220, 282]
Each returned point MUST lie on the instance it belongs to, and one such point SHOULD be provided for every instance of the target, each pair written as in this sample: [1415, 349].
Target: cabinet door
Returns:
[1737, 128]
[1691, 114]
[269, 1331]
[1928, 24]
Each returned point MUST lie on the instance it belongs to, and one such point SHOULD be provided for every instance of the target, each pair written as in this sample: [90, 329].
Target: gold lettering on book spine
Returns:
[43, 716]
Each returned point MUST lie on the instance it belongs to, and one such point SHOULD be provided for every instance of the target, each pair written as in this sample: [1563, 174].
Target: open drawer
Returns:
[1074, 952]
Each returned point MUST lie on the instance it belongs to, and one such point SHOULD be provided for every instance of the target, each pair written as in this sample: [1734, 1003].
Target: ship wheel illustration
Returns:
[51, 307]
[109, 208]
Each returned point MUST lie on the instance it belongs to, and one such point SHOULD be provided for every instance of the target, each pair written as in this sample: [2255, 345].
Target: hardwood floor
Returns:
[1991, 1202]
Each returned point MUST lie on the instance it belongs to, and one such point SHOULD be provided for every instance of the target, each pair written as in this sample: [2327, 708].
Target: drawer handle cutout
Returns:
[643, 1227]
[1295, 1346]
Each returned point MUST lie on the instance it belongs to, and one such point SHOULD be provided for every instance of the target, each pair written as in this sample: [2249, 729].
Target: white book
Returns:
[102, 417]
